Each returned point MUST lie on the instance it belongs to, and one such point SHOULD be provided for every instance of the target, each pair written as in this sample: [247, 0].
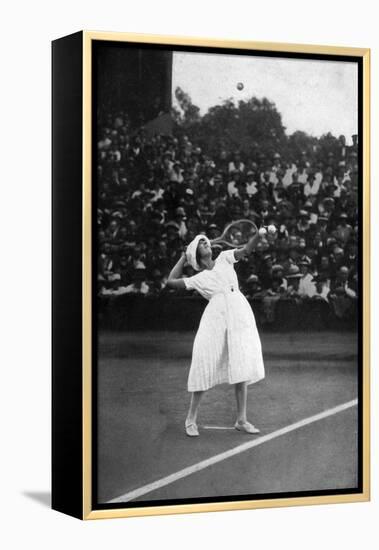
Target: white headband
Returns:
[191, 251]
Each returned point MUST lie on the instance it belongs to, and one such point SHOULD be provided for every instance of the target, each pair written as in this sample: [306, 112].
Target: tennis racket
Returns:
[236, 234]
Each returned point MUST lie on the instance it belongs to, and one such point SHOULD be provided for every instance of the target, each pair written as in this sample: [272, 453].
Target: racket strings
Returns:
[238, 233]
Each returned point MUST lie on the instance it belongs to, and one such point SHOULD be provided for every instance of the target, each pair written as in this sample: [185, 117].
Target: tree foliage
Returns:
[187, 113]
[247, 126]
[251, 127]
[300, 142]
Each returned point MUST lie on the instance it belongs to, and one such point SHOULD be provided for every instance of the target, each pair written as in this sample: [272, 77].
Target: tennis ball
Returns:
[240, 86]
[262, 231]
[271, 229]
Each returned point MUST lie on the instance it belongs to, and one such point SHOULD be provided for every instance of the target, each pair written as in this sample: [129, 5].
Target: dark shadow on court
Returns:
[42, 497]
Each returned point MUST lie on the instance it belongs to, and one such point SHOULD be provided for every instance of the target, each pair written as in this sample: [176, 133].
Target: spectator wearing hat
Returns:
[152, 226]
[342, 283]
[277, 162]
[233, 184]
[156, 190]
[318, 174]
[105, 141]
[267, 183]
[265, 271]
[336, 258]
[322, 225]
[119, 241]
[124, 270]
[303, 225]
[310, 206]
[321, 291]
[292, 255]
[140, 191]
[236, 165]
[213, 231]
[347, 204]
[265, 211]
[112, 231]
[306, 284]
[214, 184]
[270, 300]
[311, 186]
[302, 245]
[302, 174]
[156, 283]
[344, 230]
[351, 256]
[221, 215]
[139, 286]
[158, 256]
[327, 206]
[278, 275]
[339, 184]
[176, 173]
[252, 287]
[173, 240]
[180, 219]
[160, 208]
[248, 213]
[293, 281]
[295, 192]
[342, 296]
[212, 205]
[324, 270]
[222, 162]
[311, 253]
[279, 193]
[167, 163]
[289, 174]
[251, 184]
[105, 261]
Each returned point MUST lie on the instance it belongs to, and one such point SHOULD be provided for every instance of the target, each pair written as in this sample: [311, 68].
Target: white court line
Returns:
[217, 427]
[127, 497]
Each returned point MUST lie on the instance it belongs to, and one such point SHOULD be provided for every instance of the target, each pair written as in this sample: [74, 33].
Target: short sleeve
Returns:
[188, 283]
[228, 256]
[194, 282]
[197, 282]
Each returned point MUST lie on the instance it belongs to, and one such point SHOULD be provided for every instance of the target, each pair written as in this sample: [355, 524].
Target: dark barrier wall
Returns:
[170, 312]
[135, 80]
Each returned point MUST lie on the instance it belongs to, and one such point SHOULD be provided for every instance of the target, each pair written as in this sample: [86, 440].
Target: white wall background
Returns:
[27, 29]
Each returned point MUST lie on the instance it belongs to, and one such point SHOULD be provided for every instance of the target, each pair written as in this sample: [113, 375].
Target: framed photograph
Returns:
[210, 275]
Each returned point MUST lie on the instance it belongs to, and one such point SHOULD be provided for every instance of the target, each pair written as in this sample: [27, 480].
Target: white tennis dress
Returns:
[227, 347]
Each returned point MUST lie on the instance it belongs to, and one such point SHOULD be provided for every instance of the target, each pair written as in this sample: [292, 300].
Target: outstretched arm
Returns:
[248, 248]
[175, 278]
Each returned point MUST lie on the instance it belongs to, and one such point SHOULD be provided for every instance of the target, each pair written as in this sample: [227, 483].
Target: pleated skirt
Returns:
[227, 347]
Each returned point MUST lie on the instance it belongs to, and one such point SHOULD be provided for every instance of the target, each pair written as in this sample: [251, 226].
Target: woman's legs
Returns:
[241, 398]
[194, 407]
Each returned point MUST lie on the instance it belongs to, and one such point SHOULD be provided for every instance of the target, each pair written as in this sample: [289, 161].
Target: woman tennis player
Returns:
[227, 347]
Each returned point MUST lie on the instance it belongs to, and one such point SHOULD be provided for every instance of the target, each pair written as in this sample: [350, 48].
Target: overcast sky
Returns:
[313, 96]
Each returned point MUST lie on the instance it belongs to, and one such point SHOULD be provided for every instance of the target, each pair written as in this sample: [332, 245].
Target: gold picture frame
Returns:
[81, 375]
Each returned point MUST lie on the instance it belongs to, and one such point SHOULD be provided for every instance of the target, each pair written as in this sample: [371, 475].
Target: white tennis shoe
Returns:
[246, 427]
[191, 429]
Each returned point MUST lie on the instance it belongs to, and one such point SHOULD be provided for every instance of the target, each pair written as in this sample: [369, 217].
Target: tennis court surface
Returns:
[306, 409]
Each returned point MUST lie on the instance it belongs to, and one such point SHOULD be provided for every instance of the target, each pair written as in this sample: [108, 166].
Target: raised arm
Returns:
[248, 248]
[175, 278]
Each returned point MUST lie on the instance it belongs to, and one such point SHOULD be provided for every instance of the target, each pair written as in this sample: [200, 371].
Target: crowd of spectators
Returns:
[156, 192]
